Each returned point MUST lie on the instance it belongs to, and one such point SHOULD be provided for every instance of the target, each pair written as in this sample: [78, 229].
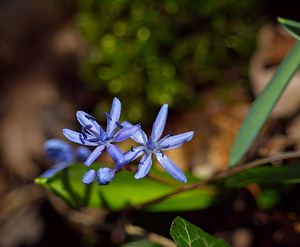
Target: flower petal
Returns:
[159, 124]
[125, 133]
[86, 119]
[170, 167]
[82, 153]
[58, 150]
[176, 140]
[115, 113]
[54, 169]
[144, 166]
[105, 175]
[131, 155]
[139, 136]
[89, 177]
[116, 154]
[94, 155]
[77, 137]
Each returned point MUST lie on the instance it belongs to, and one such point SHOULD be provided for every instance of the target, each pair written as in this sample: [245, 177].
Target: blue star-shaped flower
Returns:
[92, 134]
[103, 176]
[155, 146]
[63, 155]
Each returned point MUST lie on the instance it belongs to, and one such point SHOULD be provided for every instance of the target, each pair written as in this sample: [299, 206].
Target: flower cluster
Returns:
[155, 146]
[63, 155]
[92, 134]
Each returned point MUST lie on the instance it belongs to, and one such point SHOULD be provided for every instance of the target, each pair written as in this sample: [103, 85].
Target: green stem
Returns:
[218, 176]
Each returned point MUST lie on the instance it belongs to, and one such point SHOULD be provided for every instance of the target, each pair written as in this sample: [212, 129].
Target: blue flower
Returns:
[92, 134]
[155, 146]
[103, 176]
[63, 155]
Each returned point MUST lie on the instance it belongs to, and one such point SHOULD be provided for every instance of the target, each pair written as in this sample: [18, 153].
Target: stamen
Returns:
[93, 139]
[81, 138]
[107, 138]
[90, 117]
[83, 132]
[162, 153]
[107, 116]
[88, 126]
[131, 149]
[119, 125]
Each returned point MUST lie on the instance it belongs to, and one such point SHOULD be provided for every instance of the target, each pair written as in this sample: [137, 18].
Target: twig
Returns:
[218, 176]
[151, 236]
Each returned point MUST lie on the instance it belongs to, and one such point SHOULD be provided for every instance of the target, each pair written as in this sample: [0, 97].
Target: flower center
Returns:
[104, 137]
[150, 145]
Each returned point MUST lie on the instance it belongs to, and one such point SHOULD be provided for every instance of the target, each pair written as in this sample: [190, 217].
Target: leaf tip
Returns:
[281, 20]
[40, 181]
[232, 161]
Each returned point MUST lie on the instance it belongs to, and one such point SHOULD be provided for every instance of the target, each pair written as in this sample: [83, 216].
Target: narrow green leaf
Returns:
[265, 175]
[186, 234]
[124, 191]
[263, 105]
[291, 26]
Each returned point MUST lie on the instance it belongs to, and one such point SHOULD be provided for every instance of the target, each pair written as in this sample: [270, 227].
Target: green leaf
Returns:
[267, 199]
[265, 175]
[186, 234]
[263, 105]
[125, 191]
[141, 243]
[290, 26]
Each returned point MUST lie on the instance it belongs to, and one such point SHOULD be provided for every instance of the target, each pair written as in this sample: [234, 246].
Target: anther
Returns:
[119, 125]
[93, 139]
[83, 133]
[90, 117]
[81, 138]
[107, 116]
[88, 126]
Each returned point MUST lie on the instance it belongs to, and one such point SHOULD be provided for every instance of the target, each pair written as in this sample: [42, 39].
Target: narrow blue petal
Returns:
[103, 134]
[86, 120]
[89, 177]
[144, 166]
[105, 175]
[139, 136]
[125, 133]
[115, 113]
[58, 150]
[176, 140]
[77, 137]
[54, 169]
[126, 124]
[94, 155]
[82, 153]
[116, 154]
[131, 155]
[170, 167]
[160, 123]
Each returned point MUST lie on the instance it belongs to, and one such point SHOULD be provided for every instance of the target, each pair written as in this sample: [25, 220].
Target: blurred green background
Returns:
[156, 52]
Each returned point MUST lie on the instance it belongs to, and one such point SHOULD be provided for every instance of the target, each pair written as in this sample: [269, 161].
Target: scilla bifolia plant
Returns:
[156, 192]
[92, 134]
